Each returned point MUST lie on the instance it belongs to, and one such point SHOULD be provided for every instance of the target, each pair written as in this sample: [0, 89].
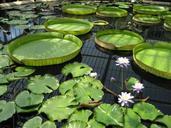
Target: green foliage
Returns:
[43, 84]
[76, 124]
[109, 114]
[7, 109]
[59, 107]
[3, 89]
[146, 111]
[26, 99]
[76, 69]
[166, 120]
[36, 122]
[5, 61]
[23, 71]
[131, 82]
[85, 89]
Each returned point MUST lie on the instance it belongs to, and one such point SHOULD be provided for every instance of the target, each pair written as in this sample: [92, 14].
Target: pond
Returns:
[100, 59]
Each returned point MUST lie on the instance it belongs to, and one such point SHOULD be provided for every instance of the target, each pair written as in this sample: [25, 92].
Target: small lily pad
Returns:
[75, 124]
[166, 120]
[146, 111]
[5, 61]
[23, 71]
[26, 99]
[130, 82]
[59, 107]
[36, 122]
[109, 114]
[76, 69]
[7, 109]
[3, 79]
[43, 84]
[3, 89]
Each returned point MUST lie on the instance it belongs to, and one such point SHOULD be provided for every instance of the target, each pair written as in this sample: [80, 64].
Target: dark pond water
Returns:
[102, 61]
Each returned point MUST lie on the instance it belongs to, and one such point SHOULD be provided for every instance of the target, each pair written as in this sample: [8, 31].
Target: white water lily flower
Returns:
[125, 98]
[122, 62]
[93, 74]
[138, 87]
[112, 79]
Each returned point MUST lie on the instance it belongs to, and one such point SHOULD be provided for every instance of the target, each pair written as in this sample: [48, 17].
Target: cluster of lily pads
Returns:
[79, 103]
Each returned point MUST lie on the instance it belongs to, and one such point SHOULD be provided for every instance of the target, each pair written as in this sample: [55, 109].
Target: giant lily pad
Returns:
[44, 48]
[78, 9]
[76, 69]
[146, 111]
[150, 9]
[109, 114]
[150, 56]
[26, 99]
[146, 19]
[167, 24]
[7, 109]
[111, 12]
[118, 39]
[43, 84]
[36, 122]
[69, 25]
[59, 107]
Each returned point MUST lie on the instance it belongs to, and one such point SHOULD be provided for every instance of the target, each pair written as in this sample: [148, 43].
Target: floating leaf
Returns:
[85, 89]
[146, 111]
[27, 110]
[75, 124]
[16, 22]
[82, 115]
[35, 27]
[130, 82]
[26, 99]
[43, 84]
[3, 89]
[7, 109]
[59, 107]
[23, 71]
[36, 122]
[109, 114]
[3, 79]
[94, 124]
[5, 61]
[131, 119]
[156, 126]
[166, 120]
[76, 69]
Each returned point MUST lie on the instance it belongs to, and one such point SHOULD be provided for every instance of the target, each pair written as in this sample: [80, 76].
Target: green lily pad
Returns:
[26, 99]
[5, 61]
[118, 39]
[14, 13]
[82, 115]
[94, 124]
[150, 9]
[131, 119]
[17, 22]
[166, 120]
[75, 124]
[23, 71]
[28, 109]
[157, 126]
[3, 79]
[76, 69]
[146, 111]
[36, 122]
[43, 84]
[69, 25]
[109, 114]
[111, 12]
[37, 27]
[85, 89]
[59, 107]
[22, 26]
[146, 19]
[7, 109]
[54, 48]
[149, 57]
[3, 89]
[78, 9]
